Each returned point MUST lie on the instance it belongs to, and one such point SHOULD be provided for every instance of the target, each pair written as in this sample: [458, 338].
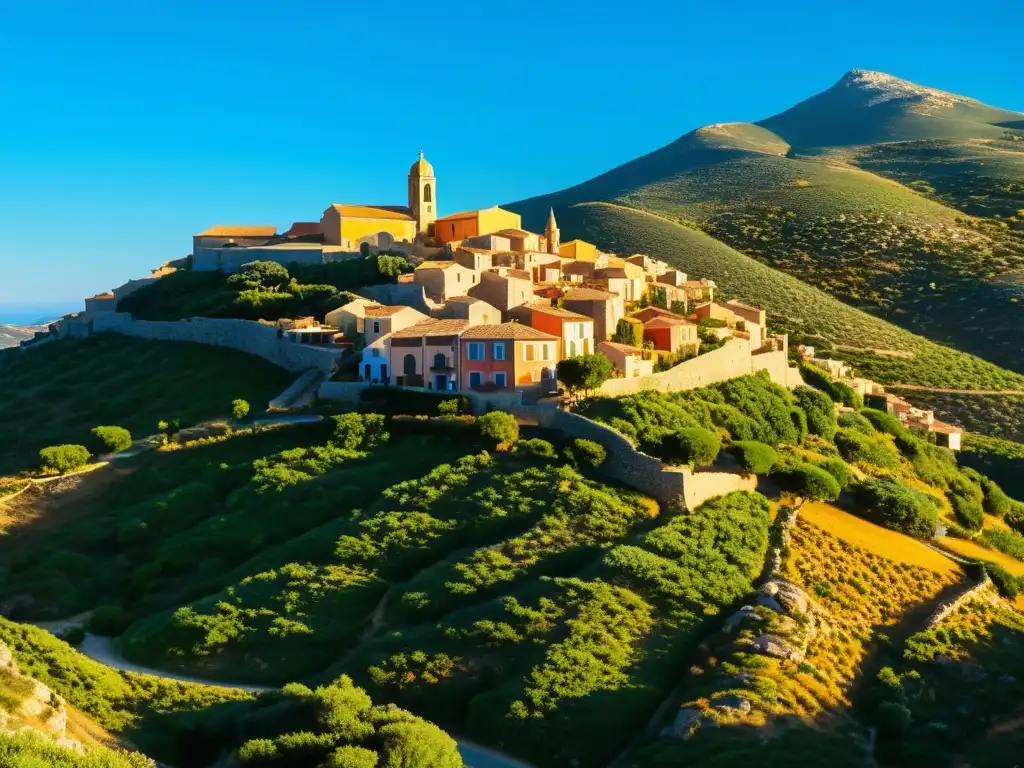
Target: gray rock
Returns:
[770, 645]
[794, 599]
[685, 724]
[769, 602]
[746, 612]
[732, 704]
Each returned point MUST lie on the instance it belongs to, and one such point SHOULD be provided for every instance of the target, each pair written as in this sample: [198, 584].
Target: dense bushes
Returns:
[1007, 542]
[820, 410]
[63, 458]
[28, 750]
[966, 498]
[857, 447]
[111, 439]
[109, 621]
[588, 452]
[807, 480]
[754, 456]
[837, 391]
[896, 506]
[499, 426]
[745, 408]
[856, 422]
[359, 431]
[691, 445]
[584, 372]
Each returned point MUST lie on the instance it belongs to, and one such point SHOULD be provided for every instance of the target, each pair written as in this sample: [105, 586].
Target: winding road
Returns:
[101, 649]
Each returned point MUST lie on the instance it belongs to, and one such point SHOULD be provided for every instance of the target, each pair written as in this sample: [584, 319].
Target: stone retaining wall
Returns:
[244, 335]
[670, 486]
[971, 593]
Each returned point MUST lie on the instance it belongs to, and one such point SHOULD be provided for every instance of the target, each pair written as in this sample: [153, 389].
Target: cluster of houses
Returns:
[875, 396]
[500, 312]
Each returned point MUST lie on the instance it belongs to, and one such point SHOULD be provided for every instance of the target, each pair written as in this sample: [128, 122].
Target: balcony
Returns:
[442, 369]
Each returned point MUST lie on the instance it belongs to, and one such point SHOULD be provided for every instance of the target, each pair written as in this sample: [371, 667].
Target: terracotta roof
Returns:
[522, 274]
[467, 214]
[565, 314]
[738, 303]
[468, 249]
[944, 428]
[666, 322]
[703, 283]
[625, 348]
[437, 264]
[656, 311]
[589, 294]
[610, 272]
[377, 310]
[517, 331]
[233, 230]
[400, 213]
[303, 229]
[432, 328]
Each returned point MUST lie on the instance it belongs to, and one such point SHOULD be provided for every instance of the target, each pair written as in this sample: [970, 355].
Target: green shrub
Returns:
[359, 431]
[1006, 583]
[966, 499]
[412, 402]
[239, 409]
[109, 621]
[63, 458]
[536, 447]
[1008, 542]
[73, 636]
[897, 506]
[691, 445]
[883, 422]
[584, 372]
[589, 452]
[838, 468]
[448, 407]
[995, 500]
[856, 447]
[853, 420]
[499, 426]
[754, 456]
[799, 419]
[111, 439]
[893, 719]
[807, 480]
[820, 410]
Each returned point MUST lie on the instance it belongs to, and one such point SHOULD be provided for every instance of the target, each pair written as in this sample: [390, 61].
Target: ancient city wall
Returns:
[245, 335]
[777, 365]
[731, 360]
[670, 486]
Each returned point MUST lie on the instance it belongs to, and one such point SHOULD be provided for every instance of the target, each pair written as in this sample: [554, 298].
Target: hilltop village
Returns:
[490, 308]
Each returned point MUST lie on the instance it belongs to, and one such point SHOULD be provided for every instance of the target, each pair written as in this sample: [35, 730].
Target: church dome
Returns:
[421, 168]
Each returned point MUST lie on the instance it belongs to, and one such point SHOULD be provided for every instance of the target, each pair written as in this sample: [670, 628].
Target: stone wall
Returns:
[671, 486]
[346, 391]
[245, 335]
[778, 367]
[974, 592]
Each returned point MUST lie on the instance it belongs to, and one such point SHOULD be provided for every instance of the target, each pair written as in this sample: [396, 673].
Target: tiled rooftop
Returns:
[507, 331]
[432, 328]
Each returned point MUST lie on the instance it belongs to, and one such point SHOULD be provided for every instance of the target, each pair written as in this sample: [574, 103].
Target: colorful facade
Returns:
[460, 226]
[507, 356]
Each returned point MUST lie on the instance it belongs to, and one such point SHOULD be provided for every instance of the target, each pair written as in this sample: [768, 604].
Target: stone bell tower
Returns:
[552, 233]
[423, 195]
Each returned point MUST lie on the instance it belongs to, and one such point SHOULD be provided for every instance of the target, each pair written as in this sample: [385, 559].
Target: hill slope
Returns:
[795, 193]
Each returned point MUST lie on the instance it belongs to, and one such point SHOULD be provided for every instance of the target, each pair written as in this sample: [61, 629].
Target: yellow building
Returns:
[579, 250]
[350, 225]
[346, 225]
[459, 226]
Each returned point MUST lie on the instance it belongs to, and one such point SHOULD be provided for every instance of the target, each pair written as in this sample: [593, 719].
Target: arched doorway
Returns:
[409, 365]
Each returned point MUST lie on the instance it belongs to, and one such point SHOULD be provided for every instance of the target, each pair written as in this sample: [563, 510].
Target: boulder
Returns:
[731, 623]
[770, 645]
[732, 704]
[685, 724]
[792, 598]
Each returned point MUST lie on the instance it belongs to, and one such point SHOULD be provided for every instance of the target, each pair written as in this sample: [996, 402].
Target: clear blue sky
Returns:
[125, 127]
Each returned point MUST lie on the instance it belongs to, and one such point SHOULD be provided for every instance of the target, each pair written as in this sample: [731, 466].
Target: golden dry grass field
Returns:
[881, 541]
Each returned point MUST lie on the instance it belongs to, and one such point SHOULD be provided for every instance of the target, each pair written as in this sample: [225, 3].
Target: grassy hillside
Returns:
[897, 250]
[792, 306]
[56, 393]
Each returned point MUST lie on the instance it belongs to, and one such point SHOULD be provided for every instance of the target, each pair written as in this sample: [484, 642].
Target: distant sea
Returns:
[33, 314]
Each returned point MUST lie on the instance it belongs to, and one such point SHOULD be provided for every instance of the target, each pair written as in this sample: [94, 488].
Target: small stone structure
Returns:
[670, 486]
[42, 711]
[735, 358]
[244, 335]
[974, 592]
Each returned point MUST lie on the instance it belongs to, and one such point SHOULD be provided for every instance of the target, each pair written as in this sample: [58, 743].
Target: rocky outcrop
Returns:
[38, 709]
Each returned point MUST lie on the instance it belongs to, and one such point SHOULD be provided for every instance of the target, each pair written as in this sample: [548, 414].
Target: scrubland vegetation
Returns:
[57, 394]
[264, 290]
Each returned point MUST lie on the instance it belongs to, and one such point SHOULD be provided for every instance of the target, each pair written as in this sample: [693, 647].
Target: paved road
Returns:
[102, 650]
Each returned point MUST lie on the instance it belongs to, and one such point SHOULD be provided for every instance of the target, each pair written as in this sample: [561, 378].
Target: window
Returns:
[499, 379]
[582, 332]
[428, 196]
[375, 352]
[544, 352]
[475, 379]
[572, 349]
[458, 277]
[475, 351]
[376, 326]
[499, 350]
[528, 350]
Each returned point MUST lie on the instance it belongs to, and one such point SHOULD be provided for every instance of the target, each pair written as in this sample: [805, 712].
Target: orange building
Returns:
[576, 331]
[671, 334]
[506, 356]
[460, 226]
